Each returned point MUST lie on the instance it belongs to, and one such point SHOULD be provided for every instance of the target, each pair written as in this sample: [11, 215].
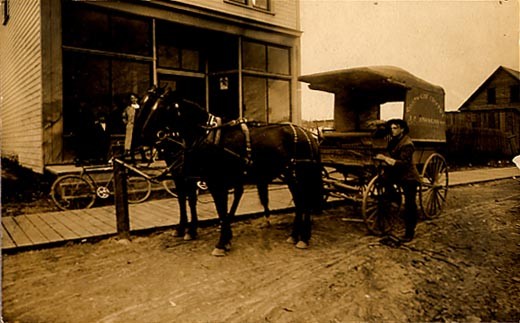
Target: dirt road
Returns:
[462, 266]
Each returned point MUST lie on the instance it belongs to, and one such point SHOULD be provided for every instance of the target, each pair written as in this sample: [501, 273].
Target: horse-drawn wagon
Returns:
[348, 149]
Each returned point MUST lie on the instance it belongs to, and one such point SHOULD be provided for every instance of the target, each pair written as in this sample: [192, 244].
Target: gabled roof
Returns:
[514, 74]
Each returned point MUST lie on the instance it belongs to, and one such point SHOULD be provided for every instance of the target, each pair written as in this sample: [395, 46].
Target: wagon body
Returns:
[358, 96]
[348, 149]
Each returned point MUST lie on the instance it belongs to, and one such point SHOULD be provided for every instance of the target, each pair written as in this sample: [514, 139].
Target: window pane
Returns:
[168, 56]
[278, 60]
[254, 56]
[75, 18]
[255, 99]
[131, 35]
[491, 96]
[263, 4]
[279, 101]
[223, 53]
[86, 87]
[515, 93]
[190, 60]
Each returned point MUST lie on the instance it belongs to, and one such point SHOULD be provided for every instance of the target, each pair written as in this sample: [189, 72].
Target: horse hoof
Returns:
[218, 252]
[291, 240]
[302, 245]
[188, 237]
[227, 247]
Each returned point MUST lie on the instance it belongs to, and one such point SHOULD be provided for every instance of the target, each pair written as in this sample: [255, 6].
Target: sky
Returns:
[456, 44]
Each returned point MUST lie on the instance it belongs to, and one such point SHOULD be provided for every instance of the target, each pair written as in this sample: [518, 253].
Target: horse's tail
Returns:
[310, 179]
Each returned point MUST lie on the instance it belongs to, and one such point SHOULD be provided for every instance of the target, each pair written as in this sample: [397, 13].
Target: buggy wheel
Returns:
[381, 206]
[138, 189]
[434, 186]
[73, 192]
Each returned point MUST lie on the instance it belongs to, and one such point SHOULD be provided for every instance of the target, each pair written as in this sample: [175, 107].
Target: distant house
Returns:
[488, 123]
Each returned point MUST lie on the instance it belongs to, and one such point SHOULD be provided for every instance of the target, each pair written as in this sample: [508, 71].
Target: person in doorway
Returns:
[401, 170]
[129, 117]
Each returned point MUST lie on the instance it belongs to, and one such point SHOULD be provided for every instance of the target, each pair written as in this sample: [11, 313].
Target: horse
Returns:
[171, 148]
[229, 155]
[169, 145]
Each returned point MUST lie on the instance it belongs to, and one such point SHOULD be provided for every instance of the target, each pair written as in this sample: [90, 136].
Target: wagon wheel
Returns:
[434, 185]
[381, 206]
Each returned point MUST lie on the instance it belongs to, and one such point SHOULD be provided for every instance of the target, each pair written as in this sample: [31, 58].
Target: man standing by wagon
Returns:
[401, 170]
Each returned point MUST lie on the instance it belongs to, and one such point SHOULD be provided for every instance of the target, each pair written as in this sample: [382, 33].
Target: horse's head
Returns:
[164, 113]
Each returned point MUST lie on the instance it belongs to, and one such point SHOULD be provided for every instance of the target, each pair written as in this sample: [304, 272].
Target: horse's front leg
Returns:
[192, 200]
[181, 199]
[220, 198]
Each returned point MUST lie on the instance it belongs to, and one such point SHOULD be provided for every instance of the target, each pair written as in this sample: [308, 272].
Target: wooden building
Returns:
[64, 63]
[488, 122]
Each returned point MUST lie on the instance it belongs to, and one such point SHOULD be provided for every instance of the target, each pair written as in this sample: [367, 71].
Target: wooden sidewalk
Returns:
[45, 229]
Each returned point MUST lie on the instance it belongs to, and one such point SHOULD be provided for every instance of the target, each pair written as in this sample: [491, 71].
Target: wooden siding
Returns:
[486, 130]
[21, 84]
[284, 13]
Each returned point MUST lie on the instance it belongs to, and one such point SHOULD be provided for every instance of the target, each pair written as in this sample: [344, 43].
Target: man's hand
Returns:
[386, 159]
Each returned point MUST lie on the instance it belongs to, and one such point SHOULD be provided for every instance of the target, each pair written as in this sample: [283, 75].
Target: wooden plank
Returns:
[158, 211]
[31, 230]
[45, 228]
[17, 234]
[96, 226]
[7, 242]
[62, 226]
[104, 215]
[140, 218]
[156, 214]
[77, 222]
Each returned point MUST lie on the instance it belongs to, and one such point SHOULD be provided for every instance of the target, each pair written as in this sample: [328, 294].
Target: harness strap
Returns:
[247, 136]
[214, 126]
[309, 142]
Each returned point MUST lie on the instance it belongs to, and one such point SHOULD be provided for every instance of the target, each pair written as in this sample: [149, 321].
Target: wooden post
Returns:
[120, 193]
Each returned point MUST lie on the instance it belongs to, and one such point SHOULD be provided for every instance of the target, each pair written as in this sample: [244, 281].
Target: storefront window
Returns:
[267, 87]
[278, 60]
[279, 101]
[255, 57]
[255, 100]
[90, 28]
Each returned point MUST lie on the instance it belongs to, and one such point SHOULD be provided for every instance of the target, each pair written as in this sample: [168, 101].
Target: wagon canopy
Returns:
[360, 91]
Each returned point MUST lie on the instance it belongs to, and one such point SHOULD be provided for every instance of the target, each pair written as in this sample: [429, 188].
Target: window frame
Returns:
[491, 95]
[5, 11]
[250, 4]
[514, 93]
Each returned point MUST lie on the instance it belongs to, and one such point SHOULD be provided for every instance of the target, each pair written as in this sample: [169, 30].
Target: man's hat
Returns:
[401, 123]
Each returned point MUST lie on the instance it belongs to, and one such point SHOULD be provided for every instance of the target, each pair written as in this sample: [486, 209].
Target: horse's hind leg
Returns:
[237, 196]
[263, 194]
[301, 230]
[181, 199]
[220, 198]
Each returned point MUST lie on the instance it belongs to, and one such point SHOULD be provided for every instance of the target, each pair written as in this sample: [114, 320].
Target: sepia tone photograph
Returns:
[204, 161]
